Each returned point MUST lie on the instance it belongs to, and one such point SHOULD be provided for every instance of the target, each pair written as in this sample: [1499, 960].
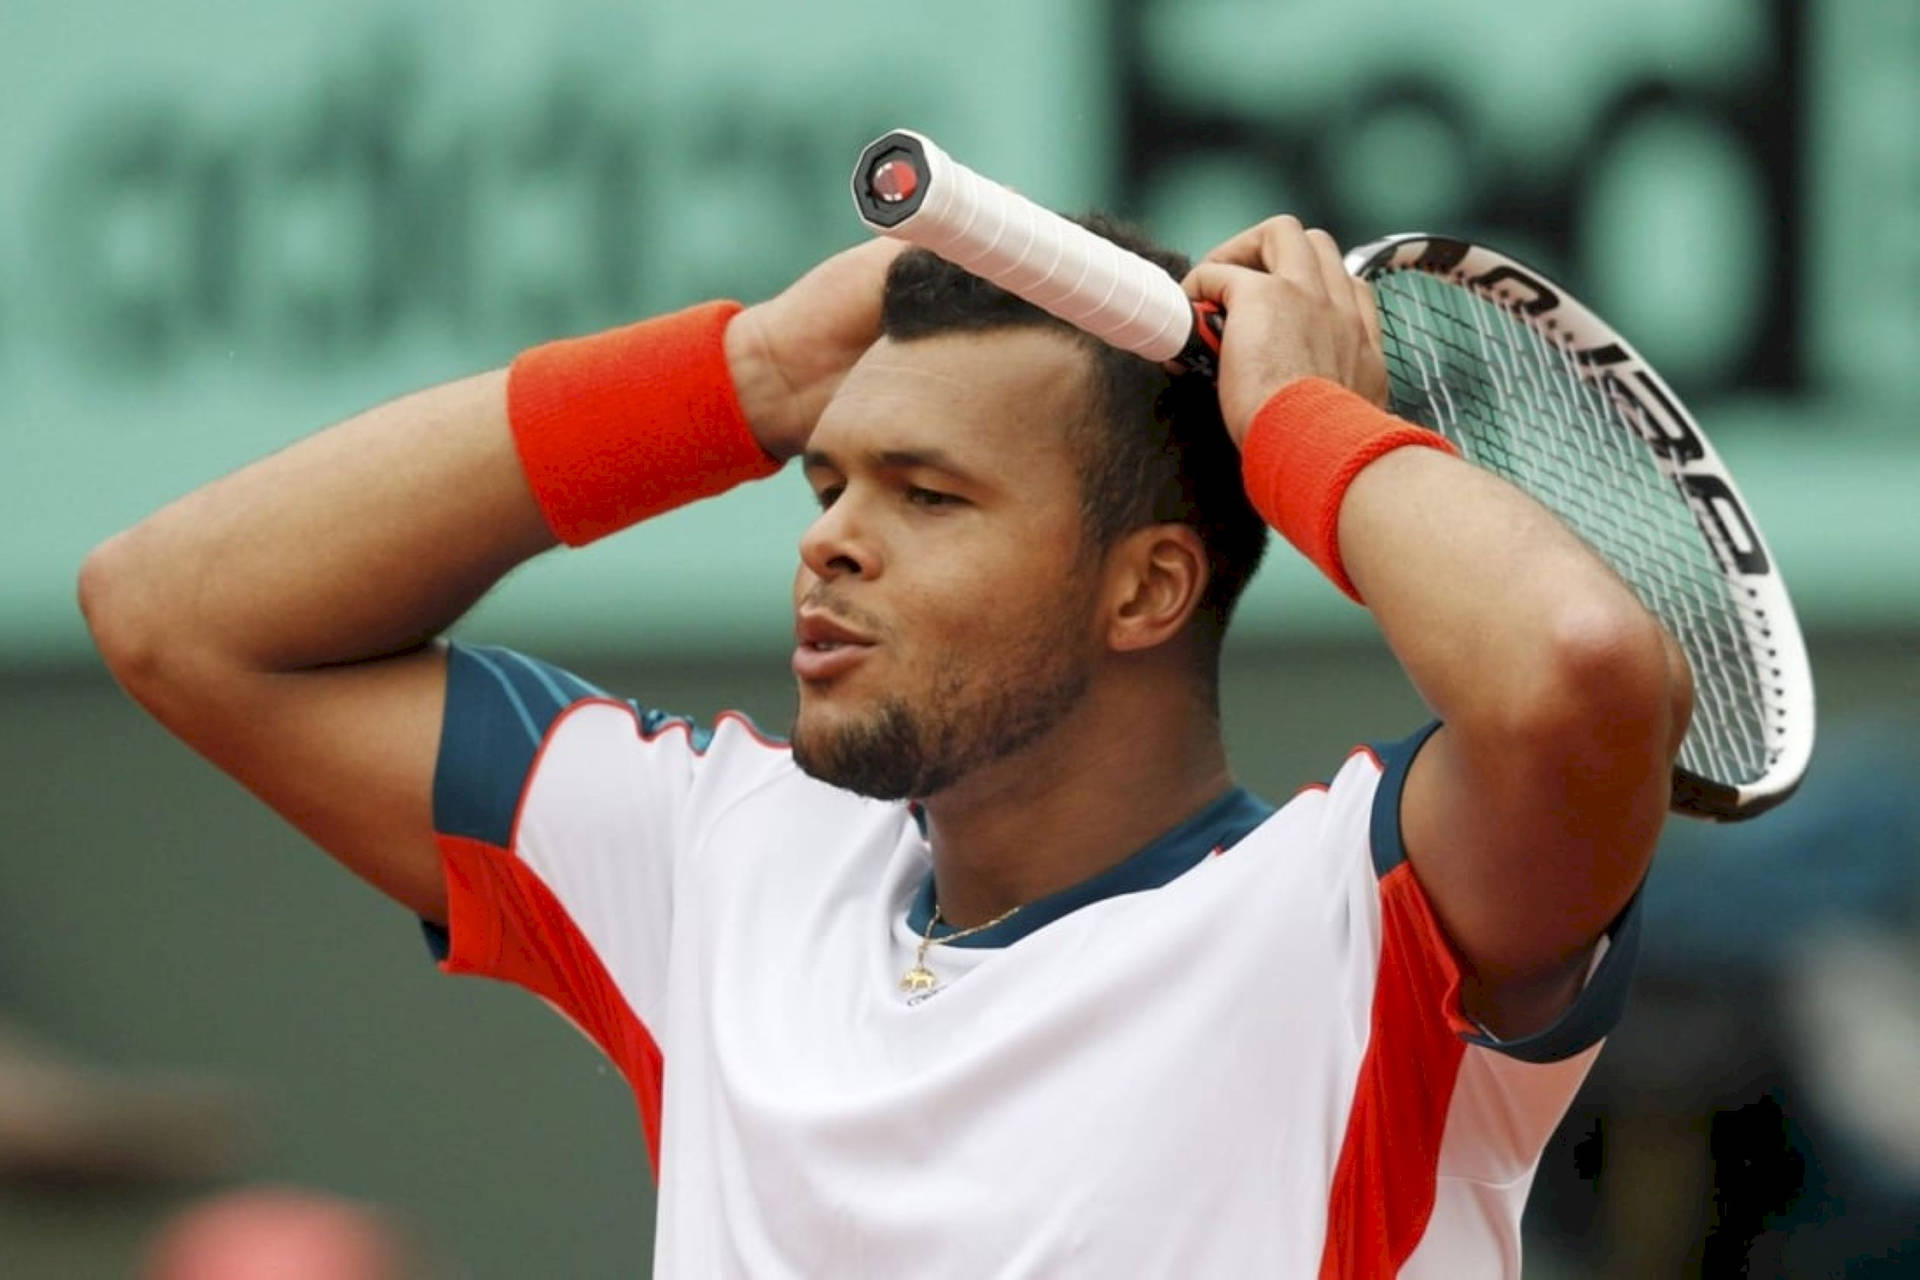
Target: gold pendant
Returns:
[918, 979]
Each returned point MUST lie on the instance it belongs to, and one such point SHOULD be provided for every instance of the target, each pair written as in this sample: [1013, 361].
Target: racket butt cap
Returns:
[891, 179]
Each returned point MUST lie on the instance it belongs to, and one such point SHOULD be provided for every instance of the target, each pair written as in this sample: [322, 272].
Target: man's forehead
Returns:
[957, 389]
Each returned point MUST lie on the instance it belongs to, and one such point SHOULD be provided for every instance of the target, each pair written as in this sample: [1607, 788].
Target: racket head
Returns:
[1531, 384]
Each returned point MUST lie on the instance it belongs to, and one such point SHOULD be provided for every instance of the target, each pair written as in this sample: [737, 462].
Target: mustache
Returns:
[820, 600]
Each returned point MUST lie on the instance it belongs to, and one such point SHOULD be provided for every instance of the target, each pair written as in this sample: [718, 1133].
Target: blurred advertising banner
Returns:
[227, 224]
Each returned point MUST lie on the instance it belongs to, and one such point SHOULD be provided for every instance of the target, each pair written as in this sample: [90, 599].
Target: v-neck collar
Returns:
[1220, 825]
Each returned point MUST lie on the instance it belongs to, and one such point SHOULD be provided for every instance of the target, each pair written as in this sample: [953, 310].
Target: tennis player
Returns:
[991, 969]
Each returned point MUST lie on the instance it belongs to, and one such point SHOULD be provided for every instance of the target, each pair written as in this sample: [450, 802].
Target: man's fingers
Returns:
[1216, 282]
[1374, 382]
[1277, 245]
[1369, 309]
[1281, 246]
[1332, 271]
[1243, 250]
[1290, 253]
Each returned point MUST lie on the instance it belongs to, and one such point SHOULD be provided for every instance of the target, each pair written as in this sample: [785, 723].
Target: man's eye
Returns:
[825, 497]
[931, 497]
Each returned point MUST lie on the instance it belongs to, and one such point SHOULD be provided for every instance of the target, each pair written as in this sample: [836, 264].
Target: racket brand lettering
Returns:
[1672, 437]
[1665, 428]
[1652, 411]
[1716, 501]
[1538, 299]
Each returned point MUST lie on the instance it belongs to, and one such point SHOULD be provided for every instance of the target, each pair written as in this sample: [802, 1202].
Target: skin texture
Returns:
[942, 489]
[1007, 648]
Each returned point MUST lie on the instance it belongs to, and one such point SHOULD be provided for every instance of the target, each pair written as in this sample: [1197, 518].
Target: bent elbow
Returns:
[112, 603]
[1614, 677]
[1679, 692]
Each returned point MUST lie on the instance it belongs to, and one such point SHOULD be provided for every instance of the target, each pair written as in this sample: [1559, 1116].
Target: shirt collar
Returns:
[1220, 825]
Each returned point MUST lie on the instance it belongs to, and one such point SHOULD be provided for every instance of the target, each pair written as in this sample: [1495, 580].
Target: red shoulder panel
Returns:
[505, 924]
[1383, 1186]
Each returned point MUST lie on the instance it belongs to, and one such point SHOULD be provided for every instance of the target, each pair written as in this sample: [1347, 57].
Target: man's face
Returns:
[945, 598]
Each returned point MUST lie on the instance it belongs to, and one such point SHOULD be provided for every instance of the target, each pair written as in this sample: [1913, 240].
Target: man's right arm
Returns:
[282, 620]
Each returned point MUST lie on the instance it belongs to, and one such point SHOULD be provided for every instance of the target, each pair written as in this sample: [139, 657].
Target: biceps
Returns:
[1528, 850]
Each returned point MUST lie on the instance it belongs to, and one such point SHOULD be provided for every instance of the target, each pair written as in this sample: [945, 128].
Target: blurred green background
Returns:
[225, 224]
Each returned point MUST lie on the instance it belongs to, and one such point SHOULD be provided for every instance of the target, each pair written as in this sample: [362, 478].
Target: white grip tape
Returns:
[1034, 253]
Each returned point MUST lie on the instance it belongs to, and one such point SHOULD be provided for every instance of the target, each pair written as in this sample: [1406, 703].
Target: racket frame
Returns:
[1683, 454]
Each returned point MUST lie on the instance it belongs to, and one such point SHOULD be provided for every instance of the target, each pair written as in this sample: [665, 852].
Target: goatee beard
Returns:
[879, 757]
[898, 755]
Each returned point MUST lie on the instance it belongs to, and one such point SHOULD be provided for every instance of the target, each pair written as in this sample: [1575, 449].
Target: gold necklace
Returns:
[920, 978]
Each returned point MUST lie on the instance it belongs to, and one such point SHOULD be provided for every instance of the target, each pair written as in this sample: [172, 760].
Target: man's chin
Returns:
[877, 757]
[858, 782]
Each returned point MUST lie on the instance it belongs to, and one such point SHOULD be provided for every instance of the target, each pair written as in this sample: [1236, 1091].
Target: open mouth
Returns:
[825, 659]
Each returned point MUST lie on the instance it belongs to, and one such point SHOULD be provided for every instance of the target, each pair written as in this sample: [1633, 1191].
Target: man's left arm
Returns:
[1530, 816]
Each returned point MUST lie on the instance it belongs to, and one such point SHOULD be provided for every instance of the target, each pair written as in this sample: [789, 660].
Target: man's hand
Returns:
[788, 354]
[1292, 312]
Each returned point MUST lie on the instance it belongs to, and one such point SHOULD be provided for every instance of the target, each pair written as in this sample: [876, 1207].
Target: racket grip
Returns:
[906, 187]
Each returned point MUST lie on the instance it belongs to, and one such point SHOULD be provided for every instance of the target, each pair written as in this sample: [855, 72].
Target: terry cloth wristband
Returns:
[618, 426]
[1303, 448]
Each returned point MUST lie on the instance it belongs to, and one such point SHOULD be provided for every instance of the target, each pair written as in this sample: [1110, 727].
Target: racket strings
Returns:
[1518, 404]
[1736, 651]
[1750, 688]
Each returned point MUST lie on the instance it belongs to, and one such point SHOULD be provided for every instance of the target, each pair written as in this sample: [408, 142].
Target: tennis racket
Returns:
[1523, 379]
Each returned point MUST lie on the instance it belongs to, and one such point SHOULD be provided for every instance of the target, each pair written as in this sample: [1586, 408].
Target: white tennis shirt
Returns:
[1239, 1052]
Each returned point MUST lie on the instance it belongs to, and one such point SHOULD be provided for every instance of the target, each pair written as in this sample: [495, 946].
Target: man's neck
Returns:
[1102, 785]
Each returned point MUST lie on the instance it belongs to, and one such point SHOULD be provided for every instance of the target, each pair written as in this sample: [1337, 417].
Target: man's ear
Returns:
[1155, 577]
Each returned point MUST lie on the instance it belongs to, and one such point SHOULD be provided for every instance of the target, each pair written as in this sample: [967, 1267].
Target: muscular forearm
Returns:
[363, 540]
[373, 536]
[1564, 701]
[1505, 621]
[276, 620]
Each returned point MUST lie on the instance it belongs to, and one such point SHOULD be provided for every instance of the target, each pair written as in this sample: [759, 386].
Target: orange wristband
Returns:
[1303, 448]
[618, 426]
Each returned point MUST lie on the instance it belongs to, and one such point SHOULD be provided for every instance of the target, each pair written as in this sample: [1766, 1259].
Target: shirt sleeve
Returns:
[1593, 1013]
[561, 813]
[1447, 1123]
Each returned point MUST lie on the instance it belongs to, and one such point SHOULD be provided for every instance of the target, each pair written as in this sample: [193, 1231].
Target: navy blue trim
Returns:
[1383, 827]
[1595, 1011]
[499, 706]
[653, 723]
[1221, 825]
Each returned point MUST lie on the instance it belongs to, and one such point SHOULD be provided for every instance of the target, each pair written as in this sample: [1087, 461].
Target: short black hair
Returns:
[1152, 447]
